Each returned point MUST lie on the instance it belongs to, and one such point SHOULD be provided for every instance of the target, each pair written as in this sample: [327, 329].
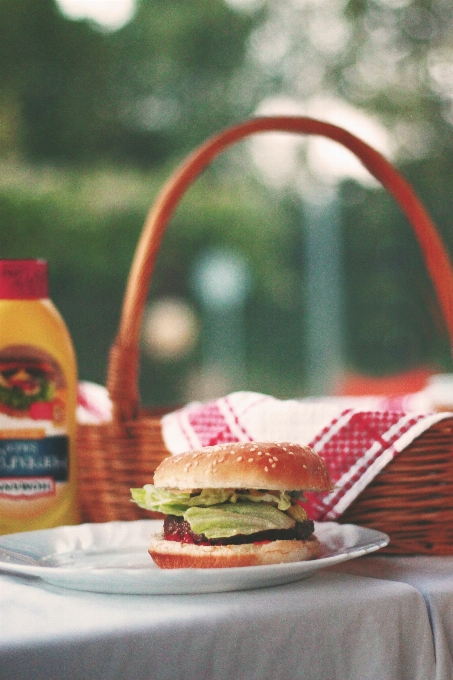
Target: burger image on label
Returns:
[234, 505]
[21, 385]
[28, 376]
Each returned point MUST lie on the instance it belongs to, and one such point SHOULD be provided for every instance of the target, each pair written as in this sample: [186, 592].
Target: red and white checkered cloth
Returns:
[356, 437]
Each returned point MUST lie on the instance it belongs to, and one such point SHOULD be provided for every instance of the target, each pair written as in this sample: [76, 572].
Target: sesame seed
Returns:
[250, 460]
[304, 466]
[274, 465]
[239, 458]
[266, 469]
[275, 458]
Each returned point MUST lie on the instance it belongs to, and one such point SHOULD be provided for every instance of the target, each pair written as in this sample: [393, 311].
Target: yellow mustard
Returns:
[38, 398]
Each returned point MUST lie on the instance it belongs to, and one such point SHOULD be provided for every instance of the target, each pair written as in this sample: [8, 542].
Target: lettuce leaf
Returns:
[282, 500]
[176, 502]
[219, 513]
[230, 519]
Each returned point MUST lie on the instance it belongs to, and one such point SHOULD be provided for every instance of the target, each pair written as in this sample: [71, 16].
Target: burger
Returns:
[234, 505]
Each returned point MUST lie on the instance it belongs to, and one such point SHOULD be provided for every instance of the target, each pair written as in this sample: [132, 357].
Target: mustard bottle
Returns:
[38, 397]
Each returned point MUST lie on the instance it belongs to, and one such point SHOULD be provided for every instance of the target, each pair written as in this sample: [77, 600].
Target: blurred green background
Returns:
[320, 274]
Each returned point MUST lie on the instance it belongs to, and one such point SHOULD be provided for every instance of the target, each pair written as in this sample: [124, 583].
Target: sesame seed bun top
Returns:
[246, 465]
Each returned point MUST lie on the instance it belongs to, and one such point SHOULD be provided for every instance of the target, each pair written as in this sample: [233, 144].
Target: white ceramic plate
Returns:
[113, 558]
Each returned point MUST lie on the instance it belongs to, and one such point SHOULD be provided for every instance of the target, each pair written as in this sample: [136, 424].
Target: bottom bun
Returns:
[174, 555]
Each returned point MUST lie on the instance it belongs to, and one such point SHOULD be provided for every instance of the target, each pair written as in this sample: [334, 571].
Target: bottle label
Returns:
[34, 442]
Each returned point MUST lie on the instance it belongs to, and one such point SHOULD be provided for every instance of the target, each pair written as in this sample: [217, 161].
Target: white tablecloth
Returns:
[433, 578]
[330, 626]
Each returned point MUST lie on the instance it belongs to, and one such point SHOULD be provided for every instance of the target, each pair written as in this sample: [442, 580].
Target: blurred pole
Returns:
[324, 288]
[221, 281]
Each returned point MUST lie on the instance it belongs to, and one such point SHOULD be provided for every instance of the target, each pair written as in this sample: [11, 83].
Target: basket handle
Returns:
[122, 374]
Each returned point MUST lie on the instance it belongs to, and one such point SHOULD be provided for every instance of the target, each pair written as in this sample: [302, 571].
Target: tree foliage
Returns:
[92, 122]
[160, 84]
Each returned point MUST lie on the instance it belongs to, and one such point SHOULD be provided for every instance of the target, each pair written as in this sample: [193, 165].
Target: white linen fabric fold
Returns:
[432, 576]
[330, 626]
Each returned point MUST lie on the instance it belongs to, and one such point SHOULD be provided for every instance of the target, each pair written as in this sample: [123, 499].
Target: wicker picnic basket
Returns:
[411, 500]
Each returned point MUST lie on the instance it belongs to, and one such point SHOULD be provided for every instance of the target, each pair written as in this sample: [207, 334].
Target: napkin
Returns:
[93, 404]
[357, 437]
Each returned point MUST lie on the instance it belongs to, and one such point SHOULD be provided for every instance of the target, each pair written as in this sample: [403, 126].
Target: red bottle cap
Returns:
[23, 279]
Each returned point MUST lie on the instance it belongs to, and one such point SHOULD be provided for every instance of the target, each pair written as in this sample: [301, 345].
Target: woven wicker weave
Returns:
[412, 499]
